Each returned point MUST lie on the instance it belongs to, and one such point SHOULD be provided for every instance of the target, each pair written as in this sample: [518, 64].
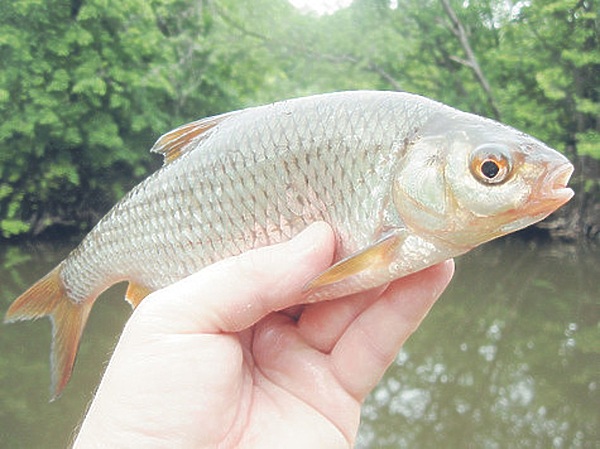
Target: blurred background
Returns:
[509, 358]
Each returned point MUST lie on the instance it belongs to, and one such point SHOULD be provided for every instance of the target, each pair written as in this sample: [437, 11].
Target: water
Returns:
[510, 357]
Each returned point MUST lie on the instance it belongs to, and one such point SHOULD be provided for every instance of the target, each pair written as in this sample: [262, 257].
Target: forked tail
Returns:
[48, 297]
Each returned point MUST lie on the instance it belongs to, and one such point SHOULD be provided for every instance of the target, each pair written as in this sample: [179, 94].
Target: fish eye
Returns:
[490, 164]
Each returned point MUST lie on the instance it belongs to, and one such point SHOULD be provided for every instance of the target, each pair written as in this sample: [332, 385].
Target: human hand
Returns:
[224, 359]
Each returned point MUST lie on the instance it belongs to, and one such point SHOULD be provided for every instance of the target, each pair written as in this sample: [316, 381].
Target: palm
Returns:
[303, 379]
[289, 392]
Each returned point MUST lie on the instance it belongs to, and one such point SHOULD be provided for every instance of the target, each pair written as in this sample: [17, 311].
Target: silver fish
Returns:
[406, 182]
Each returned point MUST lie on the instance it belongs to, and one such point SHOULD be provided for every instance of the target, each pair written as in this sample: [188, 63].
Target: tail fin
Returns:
[48, 297]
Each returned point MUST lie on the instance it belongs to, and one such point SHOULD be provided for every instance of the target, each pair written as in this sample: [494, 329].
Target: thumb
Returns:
[235, 293]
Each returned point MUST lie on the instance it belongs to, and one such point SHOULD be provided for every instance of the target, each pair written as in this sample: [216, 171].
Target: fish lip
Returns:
[552, 192]
[557, 190]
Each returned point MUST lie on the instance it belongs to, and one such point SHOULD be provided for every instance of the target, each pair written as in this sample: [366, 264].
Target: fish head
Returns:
[466, 180]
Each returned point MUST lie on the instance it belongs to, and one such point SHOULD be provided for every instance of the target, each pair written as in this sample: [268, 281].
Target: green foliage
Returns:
[559, 42]
[53, 128]
[589, 143]
[88, 85]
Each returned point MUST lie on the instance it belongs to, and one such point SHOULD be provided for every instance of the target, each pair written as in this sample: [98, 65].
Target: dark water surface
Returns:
[509, 358]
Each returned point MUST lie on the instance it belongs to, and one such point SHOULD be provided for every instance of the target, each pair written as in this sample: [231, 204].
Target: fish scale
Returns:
[397, 176]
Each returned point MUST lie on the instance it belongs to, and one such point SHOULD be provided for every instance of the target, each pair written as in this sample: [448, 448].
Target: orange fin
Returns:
[372, 261]
[135, 293]
[187, 137]
[48, 297]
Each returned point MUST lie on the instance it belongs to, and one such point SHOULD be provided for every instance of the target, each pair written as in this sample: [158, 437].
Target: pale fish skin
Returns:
[405, 182]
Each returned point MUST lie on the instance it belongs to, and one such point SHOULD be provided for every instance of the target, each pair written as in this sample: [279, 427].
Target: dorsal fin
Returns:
[187, 137]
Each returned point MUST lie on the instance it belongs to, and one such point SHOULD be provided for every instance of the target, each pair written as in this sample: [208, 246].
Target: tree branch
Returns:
[386, 76]
[461, 34]
[370, 66]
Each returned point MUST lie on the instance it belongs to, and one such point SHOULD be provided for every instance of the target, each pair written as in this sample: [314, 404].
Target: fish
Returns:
[405, 182]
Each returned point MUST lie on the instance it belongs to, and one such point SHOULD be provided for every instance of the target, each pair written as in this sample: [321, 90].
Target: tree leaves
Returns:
[91, 84]
[84, 93]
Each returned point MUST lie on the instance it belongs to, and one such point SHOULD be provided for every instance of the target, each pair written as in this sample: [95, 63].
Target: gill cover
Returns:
[457, 180]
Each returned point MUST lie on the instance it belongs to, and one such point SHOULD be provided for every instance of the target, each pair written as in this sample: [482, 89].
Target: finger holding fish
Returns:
[211, 301]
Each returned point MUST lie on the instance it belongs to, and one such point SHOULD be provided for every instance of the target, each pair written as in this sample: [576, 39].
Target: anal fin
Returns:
[136, 293]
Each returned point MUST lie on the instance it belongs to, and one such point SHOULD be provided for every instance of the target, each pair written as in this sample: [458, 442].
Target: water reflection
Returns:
[510, 357]
[27, 418]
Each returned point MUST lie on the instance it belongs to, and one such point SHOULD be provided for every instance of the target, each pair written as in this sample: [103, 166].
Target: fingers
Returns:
[322, 324]
[235, 293]
[373, 339]
[287, 360]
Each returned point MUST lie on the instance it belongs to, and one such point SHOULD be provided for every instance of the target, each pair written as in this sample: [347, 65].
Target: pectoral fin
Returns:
[135, 293]
[370, 264]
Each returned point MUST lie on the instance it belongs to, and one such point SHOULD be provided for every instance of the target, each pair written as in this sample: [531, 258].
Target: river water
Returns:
[509, 358]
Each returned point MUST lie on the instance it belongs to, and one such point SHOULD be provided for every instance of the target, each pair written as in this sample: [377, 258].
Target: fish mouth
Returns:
[556, 185]
[552, 192]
